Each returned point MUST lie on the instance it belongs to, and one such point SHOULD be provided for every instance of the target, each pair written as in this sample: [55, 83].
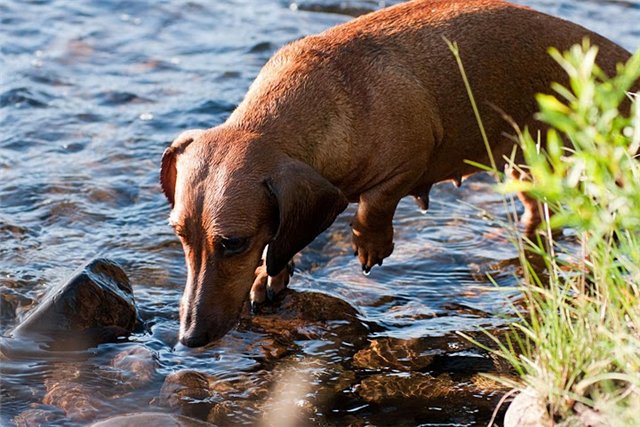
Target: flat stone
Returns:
[95, 305]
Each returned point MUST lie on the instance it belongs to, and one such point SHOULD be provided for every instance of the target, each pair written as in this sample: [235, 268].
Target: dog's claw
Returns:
[355, 253]
[254, 307]
[380, 263]
[366, 269]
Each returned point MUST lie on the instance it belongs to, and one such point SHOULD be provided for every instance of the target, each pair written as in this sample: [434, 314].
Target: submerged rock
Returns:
[135, 366]
[207, 397]
[190, 391]
[79, 402]
[95, 305]
[422, 389]
[416, 387]
[393, 353]
[39, 415]
[296, 390]
[154, 419]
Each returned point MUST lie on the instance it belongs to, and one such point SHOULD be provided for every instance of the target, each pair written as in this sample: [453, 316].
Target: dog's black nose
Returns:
[194, 339]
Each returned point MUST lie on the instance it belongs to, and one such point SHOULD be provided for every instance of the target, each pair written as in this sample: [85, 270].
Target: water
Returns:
[91, 94]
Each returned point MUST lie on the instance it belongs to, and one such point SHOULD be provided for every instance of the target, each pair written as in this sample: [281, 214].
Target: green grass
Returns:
[576, 343]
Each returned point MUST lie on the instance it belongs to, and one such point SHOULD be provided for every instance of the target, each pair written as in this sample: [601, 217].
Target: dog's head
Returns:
[232, 195]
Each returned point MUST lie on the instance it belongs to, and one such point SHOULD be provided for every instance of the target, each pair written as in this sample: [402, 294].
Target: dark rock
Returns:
[154, 419]
[95, 305]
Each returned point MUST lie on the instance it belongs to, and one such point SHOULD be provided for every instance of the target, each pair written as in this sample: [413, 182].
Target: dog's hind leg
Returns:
[533, 213]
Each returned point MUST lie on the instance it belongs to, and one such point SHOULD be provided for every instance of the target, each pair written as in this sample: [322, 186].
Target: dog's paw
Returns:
[371, 248]
[265, 287]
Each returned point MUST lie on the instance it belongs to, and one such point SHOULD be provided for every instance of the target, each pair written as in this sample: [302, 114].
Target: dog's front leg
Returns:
[266, 287]
[372, 226]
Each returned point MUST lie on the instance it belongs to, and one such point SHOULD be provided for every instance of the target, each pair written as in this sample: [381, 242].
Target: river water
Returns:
[91, 92]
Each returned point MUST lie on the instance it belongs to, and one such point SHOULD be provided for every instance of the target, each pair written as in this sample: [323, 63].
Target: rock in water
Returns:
[95, 305]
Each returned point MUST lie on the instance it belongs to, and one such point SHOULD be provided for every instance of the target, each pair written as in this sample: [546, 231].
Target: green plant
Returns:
[577, 343]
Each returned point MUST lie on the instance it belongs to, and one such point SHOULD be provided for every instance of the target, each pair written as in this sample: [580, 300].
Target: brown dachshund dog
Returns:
[369, 112]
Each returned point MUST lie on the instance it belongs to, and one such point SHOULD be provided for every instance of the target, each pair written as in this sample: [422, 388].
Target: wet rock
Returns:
[154, 419]
[95, 305]
[527, 410]
[136, 366]
[309, 315]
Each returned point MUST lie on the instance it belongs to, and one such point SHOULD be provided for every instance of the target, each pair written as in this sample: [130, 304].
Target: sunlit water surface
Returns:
[92, 92]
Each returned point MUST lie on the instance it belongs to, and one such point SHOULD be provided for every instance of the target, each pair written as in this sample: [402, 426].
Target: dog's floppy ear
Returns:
[307, 204]
[168, 171]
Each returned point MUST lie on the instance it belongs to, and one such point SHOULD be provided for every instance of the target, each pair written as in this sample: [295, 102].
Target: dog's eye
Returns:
[234, 245]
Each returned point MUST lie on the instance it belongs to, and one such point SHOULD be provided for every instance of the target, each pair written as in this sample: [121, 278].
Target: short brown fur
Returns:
[369, 111]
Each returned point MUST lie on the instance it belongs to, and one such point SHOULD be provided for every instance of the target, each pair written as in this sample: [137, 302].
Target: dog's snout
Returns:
[201, 327]
[197, 339]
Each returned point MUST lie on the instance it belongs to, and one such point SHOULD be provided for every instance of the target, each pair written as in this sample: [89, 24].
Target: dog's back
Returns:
[390, 76]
